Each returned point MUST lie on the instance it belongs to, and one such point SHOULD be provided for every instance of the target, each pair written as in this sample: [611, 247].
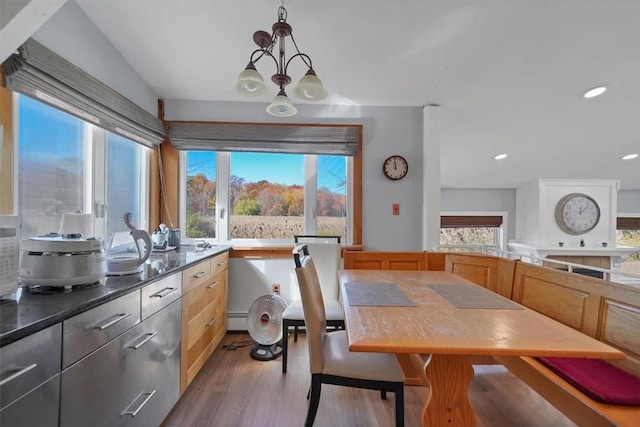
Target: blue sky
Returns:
[65, 132]
[276, 168]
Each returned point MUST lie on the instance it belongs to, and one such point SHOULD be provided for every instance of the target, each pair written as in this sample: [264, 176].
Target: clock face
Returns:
[577, 213]
[395, 167]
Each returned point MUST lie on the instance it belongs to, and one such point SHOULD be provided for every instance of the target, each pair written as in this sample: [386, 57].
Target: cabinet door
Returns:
[133, 380]
[36, 408]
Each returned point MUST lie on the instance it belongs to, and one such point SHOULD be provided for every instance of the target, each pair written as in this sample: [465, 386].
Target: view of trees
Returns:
[254, 199]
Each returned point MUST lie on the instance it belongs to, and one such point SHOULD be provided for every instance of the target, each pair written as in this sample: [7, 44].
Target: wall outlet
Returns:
[275, 288]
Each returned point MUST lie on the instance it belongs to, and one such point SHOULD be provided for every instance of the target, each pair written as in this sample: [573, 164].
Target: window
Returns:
[269, 195]
[471, 233]
[68, 165]
[628, 234]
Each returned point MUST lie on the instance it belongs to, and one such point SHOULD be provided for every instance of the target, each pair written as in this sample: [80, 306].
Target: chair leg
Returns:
[285, 343]
[400, 406]
[316, 387]
[295, 334]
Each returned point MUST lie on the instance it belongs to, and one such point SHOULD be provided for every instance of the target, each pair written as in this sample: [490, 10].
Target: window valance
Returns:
[266, 137]
[42, 74]
[455, 221]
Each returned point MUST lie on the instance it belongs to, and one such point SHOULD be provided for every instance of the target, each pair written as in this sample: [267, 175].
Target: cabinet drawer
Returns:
[87, 331]
[219, 263]
[203, 295]
[195, 275]
[40, 407]
[29, 362]
[133, 380]
[202, 323]
[160, 294]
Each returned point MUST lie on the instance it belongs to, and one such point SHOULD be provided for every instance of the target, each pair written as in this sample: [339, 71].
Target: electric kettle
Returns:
[128, 251]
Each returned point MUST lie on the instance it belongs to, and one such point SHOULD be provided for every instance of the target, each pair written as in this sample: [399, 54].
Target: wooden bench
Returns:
[606, 311]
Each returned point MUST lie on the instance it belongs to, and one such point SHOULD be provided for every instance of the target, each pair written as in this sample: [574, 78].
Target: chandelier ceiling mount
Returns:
[251, 83]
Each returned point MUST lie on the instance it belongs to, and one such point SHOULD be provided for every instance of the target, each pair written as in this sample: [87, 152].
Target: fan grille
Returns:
[264, 320]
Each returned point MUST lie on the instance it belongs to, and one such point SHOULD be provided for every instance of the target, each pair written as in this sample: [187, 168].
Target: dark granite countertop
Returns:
[30, 310]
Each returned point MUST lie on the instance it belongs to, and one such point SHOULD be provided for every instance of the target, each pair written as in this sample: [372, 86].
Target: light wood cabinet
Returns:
[204, 314]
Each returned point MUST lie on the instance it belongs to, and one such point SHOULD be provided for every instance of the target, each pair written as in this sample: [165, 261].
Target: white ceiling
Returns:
[507, 74]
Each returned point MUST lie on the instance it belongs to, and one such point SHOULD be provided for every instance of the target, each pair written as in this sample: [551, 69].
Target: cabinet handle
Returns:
[199, 275]
[116, 319]
[213, 285]
[163, 293]
[18, 372]
[144, 402]
[147, 338]
[211, 322]
[221, 264]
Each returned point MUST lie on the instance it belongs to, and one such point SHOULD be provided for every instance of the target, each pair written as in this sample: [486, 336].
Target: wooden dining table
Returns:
[443, 315]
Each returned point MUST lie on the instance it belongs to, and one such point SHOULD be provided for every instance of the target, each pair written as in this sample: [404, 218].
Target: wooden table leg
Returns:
[449, 405]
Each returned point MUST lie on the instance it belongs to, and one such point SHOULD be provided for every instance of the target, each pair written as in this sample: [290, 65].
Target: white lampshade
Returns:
[250, 82]
[281, 106]
[310, 87]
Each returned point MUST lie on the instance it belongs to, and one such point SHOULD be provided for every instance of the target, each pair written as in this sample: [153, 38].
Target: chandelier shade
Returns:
[281, 106]
[310, 88]
[251, 83]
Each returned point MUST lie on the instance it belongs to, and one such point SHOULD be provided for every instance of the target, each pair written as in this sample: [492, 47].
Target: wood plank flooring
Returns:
[233, 390]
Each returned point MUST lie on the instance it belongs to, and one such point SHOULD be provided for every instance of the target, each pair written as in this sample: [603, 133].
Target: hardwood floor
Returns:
[233, 390]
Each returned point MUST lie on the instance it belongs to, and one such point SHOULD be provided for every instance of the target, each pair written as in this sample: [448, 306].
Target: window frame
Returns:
[223, 170]
[472, 218]
[96, 170]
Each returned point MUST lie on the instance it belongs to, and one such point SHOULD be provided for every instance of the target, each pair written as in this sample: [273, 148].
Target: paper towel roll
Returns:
[76, 223]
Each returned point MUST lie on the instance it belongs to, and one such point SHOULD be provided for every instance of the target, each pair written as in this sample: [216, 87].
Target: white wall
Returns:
[386, 131]
[629, 202]
[71, 34]
[482, 200]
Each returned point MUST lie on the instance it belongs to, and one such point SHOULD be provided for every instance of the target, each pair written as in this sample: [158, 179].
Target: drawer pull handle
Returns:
[221, 264]
[211, 322]
[147, 338]
[116, 319]
[163, 293]
[199, 275]
[213, 285]
[144, 402]
[18, 372]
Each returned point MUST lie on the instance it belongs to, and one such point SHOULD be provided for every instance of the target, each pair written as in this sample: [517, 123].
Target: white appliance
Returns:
[128, 251]
[9, 253]
[62, 261]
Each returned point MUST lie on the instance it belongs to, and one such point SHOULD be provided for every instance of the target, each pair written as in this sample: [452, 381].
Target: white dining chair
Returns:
[330, 360]
[327, 258]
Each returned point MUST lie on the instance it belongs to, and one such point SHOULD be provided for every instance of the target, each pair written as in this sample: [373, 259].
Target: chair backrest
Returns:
[326, 258]
[312, 305]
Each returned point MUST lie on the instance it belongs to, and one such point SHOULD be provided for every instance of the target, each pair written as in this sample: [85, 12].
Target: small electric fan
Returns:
[264, 323]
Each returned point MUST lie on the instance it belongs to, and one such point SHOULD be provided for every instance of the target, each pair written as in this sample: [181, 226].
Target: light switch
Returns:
[396, 209]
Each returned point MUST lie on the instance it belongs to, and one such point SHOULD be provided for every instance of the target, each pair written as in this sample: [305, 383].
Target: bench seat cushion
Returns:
[597, 379]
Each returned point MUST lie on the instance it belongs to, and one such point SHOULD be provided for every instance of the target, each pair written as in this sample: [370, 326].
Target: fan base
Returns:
[265, 352]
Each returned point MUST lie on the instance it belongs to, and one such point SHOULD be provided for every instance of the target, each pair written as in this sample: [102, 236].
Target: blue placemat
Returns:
[472, 296]
[376, 294]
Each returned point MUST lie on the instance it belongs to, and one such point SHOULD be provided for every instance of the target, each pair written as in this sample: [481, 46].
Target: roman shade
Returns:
[40, 73]
[628, 223]
[454, 221]
[265, 137]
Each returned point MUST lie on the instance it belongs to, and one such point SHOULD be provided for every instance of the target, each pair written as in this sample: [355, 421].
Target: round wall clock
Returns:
[395, 167]
[577, 213]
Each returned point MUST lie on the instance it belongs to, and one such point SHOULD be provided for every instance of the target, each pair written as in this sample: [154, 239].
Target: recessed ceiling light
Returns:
[500, 156]
[596, 91]
[630, 156]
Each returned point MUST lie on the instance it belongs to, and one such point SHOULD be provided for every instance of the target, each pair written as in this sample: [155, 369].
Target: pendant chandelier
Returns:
[251, 83]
